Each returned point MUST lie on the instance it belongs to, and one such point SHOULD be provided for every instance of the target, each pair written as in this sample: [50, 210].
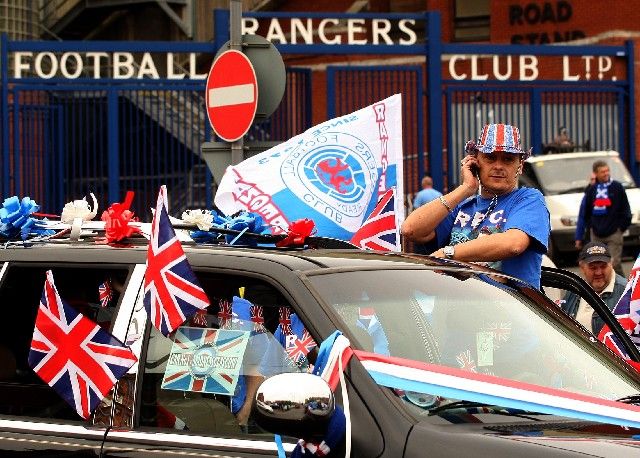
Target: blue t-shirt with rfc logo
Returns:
[522, 209]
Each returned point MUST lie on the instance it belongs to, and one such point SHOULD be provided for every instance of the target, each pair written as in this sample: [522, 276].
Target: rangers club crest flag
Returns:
[334, 174]
[171, 290]
[75, 356]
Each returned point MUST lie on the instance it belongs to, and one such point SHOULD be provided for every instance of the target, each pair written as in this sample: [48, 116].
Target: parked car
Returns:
[431, 311]
[562, 179]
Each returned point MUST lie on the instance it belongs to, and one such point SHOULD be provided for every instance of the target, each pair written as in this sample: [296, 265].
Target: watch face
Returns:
[448, 251]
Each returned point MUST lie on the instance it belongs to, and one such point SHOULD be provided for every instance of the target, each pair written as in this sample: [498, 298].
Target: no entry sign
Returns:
[231, 95]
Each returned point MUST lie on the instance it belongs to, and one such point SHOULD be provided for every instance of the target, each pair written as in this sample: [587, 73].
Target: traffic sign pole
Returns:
[235, 25]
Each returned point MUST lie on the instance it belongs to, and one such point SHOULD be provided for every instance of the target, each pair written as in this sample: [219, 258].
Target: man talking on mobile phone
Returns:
[488, 219]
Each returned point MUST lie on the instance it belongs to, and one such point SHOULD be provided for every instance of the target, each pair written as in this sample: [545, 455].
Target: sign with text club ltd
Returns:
[231, 95]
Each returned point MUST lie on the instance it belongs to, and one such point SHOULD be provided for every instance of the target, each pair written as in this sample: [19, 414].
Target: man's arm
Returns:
[625, 209]
[494, 247]
[420, 225]
[581, 224]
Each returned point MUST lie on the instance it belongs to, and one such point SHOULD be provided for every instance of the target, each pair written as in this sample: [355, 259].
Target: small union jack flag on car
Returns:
[72, 354]
[105, 293]
[257, 318]
[284, 318]
[225, 314]
[298, 349]
[171, 290]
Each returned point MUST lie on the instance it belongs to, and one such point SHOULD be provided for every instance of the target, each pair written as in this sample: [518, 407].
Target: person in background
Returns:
[597, 269]
[503, 225]
[426, 194]
[562, 140]
[605, 213]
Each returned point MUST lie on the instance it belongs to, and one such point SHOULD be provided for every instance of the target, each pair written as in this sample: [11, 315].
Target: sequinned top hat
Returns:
[497, 137]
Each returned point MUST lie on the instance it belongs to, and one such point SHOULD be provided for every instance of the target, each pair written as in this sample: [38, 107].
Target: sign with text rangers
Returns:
[334, 173]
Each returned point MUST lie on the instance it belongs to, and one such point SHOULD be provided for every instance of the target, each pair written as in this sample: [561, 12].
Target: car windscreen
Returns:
[468, 322]
[572, 174]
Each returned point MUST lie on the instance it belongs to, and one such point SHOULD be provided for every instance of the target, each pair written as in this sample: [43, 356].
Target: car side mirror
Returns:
[294, 404]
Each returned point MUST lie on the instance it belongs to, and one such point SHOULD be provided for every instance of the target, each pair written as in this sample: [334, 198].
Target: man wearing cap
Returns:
[597, 269]
[488, 218]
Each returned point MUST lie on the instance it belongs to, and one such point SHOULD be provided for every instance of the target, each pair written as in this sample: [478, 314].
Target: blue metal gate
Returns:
[63, 138]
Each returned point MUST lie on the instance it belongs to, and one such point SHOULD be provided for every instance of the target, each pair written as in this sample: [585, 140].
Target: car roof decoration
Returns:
[21, 224]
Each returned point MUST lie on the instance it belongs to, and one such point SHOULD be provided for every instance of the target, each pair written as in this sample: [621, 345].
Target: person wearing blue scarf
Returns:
[604, 213]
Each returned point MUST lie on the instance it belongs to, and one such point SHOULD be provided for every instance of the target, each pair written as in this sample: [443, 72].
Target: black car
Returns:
[431, 311]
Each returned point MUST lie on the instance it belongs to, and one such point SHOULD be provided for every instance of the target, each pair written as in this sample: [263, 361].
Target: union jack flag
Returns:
[225, 314]
[171, 290]
[297, 349]
[72, 354]
[257, 318]
[284, 318]
[627, 311]
[205, 360]
[466, 361]
[105, 293]
[501, 332]
[380, 231]
[200, 319]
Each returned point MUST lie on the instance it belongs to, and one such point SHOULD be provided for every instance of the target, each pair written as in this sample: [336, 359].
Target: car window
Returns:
[468, 322]
[574, 173]
[203, 377]
[22, 392]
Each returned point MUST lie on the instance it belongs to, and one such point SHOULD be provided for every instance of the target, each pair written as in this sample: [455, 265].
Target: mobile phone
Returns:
[475, 170]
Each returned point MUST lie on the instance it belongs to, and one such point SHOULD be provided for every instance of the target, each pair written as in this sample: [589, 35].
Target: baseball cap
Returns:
[595, 251]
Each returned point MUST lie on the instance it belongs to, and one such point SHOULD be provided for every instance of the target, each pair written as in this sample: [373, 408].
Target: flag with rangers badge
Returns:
[334, 174]
[205, 360]
[171, 290]
[627, 312]
[72, 354]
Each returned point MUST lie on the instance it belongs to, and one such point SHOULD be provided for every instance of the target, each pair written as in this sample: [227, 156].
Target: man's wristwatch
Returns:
[449, 251]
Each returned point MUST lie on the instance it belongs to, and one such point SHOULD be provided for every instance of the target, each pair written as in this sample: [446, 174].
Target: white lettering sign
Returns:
[334, 31]
[526, 68]
[97, 65]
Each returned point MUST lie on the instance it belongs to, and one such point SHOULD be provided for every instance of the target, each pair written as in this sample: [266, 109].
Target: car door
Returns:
[558, 282]
[184, 406]
[34, 419]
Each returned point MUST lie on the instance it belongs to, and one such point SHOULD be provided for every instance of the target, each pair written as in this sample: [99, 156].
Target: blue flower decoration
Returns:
[15, 218]
[241, 222]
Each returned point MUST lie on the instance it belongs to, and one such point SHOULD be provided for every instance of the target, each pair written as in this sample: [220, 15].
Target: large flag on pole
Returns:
[171, 290]
[334, 173]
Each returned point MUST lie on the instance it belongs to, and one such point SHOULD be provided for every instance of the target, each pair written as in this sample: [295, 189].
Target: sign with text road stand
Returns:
[231, 95]
[205, 360]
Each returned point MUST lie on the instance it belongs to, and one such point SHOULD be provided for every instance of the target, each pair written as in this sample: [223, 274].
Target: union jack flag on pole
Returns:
[380, 230]
[72, 354]
[171, 290]
[627, 312]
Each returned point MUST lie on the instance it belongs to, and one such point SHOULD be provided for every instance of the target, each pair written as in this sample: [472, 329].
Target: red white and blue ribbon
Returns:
[454, 383]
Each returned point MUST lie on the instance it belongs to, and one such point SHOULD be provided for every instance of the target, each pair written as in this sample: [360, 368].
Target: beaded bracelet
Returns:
[445, 203]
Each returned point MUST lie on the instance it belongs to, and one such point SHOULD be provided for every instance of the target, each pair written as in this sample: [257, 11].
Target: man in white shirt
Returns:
[597, 269]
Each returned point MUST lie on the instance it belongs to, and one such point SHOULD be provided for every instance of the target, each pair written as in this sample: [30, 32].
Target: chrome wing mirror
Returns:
[294, 404]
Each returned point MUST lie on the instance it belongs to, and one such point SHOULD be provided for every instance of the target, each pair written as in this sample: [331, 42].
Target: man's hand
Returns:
[578, 244]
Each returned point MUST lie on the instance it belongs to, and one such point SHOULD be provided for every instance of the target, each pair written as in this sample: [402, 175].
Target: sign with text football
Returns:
[334, 173]
[231, 95]
[205, 360]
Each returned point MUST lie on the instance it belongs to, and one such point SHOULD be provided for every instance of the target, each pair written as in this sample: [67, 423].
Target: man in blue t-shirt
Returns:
[501, 225]
[426, 194]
